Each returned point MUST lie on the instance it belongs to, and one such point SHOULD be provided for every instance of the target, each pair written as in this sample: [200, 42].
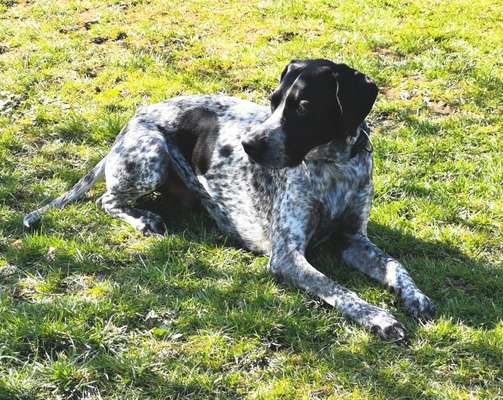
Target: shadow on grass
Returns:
[460, 285]
[241, 303]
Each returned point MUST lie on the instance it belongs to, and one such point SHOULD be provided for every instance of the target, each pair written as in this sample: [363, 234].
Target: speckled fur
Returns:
[274, 211]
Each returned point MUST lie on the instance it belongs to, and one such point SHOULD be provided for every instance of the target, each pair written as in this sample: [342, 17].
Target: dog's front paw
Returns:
[420, 306]
[387, 327]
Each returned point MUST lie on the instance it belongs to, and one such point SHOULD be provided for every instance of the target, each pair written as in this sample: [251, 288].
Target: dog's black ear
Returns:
[292, 70]
[356, 94]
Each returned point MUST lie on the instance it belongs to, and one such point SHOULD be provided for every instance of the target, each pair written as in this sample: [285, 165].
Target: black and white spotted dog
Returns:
[278, 179]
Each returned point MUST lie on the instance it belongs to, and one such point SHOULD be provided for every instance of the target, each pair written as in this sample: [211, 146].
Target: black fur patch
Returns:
[130, 166]
[196, 137]
[345, 227]
[335, 100]
[226, 151]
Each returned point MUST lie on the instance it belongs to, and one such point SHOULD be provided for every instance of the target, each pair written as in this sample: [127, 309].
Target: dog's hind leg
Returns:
[117, 204]
[136, 166]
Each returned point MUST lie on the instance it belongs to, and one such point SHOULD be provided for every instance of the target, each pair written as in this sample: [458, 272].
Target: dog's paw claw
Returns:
[388, 328]
[420, 306]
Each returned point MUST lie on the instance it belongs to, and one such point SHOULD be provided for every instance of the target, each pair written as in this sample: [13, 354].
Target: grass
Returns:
[90, 309]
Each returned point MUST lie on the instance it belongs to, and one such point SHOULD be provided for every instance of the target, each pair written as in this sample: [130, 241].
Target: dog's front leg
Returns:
[365, 256]
[292, 266]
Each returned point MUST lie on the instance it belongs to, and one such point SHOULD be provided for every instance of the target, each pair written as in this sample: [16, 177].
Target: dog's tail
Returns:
[75, 193]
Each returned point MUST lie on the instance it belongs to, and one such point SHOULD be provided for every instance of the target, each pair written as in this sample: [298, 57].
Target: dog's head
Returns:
[317, 101]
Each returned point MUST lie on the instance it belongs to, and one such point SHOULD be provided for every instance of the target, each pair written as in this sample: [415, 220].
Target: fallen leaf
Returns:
[440, 107]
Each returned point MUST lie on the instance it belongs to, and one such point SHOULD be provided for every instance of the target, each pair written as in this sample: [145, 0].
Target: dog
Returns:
[278, 179]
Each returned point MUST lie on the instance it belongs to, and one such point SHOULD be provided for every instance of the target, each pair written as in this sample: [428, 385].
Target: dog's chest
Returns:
[337, 201]
[343, 197]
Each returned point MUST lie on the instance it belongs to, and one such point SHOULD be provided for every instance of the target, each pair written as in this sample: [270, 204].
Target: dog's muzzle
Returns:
[255, 148]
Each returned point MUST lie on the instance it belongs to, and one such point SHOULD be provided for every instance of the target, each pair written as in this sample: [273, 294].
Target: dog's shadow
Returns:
[464, 289]
[175, 289]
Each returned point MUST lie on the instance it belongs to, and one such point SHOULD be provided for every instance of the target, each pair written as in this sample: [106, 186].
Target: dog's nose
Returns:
[254, 148]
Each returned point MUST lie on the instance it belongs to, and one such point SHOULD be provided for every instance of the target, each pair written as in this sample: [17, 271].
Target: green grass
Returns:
[90, 309]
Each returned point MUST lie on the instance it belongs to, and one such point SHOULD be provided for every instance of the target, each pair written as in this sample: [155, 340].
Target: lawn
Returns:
[91, 309]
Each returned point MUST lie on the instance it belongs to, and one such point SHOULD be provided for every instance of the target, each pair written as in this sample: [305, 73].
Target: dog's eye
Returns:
[303, 107]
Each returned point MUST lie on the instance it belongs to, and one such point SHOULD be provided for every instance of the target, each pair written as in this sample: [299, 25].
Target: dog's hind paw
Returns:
[151, 225]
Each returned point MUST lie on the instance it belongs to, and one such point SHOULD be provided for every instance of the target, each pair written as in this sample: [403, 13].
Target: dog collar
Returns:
[363, 142]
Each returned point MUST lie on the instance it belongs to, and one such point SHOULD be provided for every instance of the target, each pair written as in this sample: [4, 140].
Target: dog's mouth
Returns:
[254, 150]
[265, 145]
[270, 158]
[272, 165]
[270, 161]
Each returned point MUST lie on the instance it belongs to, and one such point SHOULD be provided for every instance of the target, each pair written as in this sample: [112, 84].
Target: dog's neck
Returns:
[343, 151]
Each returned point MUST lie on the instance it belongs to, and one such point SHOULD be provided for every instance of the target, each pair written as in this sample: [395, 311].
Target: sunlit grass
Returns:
[91, 309]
